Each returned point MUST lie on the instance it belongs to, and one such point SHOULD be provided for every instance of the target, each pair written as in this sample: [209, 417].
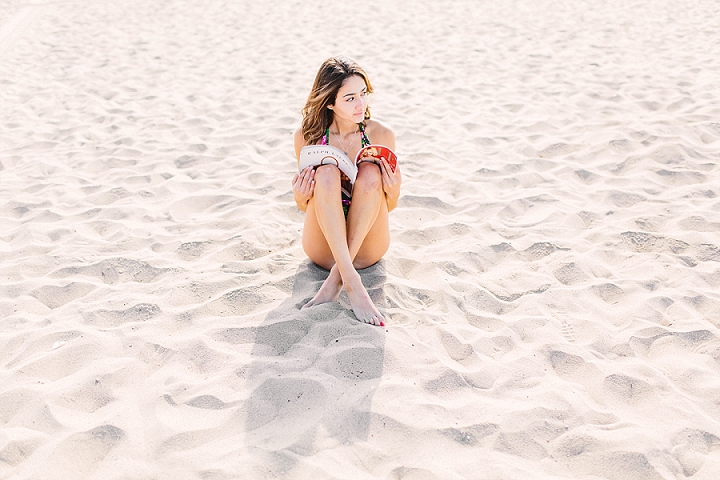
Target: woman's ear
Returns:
[329, 107]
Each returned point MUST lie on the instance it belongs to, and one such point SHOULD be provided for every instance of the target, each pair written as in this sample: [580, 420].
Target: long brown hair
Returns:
[316, 116]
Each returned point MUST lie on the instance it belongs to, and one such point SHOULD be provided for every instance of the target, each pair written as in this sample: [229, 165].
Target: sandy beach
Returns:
[552, 291]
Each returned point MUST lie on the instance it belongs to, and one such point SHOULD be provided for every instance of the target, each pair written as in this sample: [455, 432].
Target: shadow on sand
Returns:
[313, 373]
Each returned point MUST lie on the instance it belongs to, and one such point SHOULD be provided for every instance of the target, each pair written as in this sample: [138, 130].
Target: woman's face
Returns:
[351, 100]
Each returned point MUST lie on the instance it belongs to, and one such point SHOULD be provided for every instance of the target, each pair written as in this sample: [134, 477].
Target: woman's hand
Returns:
[304, 187]
[391, 183]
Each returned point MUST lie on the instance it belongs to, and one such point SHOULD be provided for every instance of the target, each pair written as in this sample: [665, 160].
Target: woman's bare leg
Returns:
[366, 207]
[367, 230]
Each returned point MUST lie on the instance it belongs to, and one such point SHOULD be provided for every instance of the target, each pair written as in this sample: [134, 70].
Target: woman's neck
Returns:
[343, 128]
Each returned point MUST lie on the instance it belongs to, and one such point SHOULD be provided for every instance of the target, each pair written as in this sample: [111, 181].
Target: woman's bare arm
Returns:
[383, 135]
[303, 183]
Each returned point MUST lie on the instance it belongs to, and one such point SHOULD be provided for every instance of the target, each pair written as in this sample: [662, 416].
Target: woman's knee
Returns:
[369, 178]
[327, 176]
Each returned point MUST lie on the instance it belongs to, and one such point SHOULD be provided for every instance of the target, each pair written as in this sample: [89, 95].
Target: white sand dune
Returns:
[551, 289]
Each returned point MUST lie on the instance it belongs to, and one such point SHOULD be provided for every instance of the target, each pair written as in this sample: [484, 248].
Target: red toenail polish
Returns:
[382, 324]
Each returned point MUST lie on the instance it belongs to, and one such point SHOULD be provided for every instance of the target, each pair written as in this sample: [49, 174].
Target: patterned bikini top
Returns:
[364, 140]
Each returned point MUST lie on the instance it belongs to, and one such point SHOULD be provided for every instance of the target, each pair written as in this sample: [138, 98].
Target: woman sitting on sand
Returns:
[345, 234]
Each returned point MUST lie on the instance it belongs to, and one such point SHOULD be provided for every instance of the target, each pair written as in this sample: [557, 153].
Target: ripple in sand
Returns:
[558, 149]
[55, 297]
[448, 383]
[241, 250]
[574, 368]
[541, 249]
[187, 161]
[645, 242]
[672, 154]
[621, 466]
[691, 448]
[456, 349]
[521, 444]
[353, 363]
[405, 473]
[430, 203]
[609, 292]
[681, 177]
[574, 445]
[628, 390]
[116, 270]
[24, 408]
[109, 197]
[241, 301]
[193, 206]
[470, 435]
[686, 342]
[64, 361]
[16, 452]
[698, 223]
[291, 404]
[624, 199]
[89, 398]
[570, 274]
[193, 250]
[707, 252]
[709, 308]
[208, 402]
[141, 312]
[86, 449]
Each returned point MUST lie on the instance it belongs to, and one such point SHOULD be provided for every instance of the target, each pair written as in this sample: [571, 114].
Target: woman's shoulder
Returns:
[299, 141]
[379, 132]
[298, 136]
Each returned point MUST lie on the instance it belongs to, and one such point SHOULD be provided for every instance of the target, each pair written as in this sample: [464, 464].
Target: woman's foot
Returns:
[362, 306]
[361, 303]
[329, 290]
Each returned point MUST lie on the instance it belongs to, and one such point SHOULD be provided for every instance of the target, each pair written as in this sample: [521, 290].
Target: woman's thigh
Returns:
[313, 240]
[374, 246]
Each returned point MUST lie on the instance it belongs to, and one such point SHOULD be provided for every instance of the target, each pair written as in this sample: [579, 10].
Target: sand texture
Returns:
[552, 292]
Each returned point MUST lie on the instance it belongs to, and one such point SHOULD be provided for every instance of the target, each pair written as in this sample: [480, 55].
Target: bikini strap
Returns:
[364, 140]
